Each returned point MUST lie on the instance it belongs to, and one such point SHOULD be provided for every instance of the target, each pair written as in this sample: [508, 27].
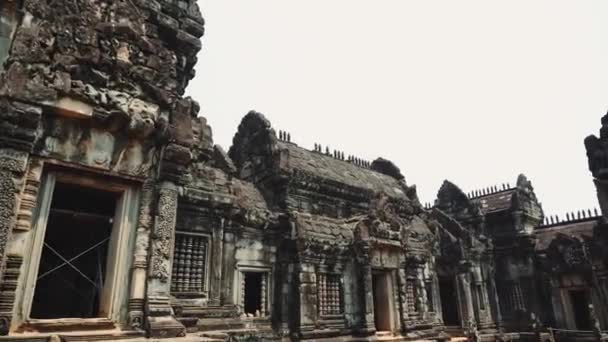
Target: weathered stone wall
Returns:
[98, 85]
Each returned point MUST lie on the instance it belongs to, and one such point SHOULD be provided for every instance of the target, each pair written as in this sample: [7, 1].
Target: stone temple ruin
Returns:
[121, 220]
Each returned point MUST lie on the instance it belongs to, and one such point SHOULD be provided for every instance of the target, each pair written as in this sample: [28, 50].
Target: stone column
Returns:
[140, 261]
[495, 302]
[402, 281]
[228, 266]
[308, 298]
[367, 326]
[284, 296]
[480, 297]
[159, 315]
[467, 299]
[558, 306]
[217, 245]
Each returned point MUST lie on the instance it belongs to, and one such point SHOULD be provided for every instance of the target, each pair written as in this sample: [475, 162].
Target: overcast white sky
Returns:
[471, 91]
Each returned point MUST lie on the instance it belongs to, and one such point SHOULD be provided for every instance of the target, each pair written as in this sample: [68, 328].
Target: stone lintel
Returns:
[71, 108]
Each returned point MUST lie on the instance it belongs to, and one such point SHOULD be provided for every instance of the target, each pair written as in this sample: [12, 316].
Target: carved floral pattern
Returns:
[163, 233]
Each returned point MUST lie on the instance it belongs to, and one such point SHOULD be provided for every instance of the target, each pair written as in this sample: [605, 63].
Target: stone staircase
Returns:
[238, 335]
[384, 336]
[456, 334]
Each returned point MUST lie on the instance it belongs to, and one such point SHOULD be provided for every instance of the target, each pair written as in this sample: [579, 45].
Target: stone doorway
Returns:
[382, 293]
[449, 301]
[579, 300]
[253, 293]
[73, 264]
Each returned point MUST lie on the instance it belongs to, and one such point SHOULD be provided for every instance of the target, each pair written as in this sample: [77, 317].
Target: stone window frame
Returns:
[115, 293]
[412, 292]
[206, 269]
[239, 292]
[340, 292]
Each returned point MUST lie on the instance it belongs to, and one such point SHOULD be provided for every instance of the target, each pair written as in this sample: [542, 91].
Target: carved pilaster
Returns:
[402, 281]
[284, 297]
[464, 287]
[159, 316]
[140, 263]
[367, 326]
[217, 244]
[308, 298]
[12, 168]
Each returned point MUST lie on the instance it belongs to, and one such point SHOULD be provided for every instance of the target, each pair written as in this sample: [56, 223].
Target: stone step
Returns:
[217, 335]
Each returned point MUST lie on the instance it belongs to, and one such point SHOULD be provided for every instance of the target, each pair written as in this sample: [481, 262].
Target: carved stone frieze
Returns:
[162, 236]
[29, 195]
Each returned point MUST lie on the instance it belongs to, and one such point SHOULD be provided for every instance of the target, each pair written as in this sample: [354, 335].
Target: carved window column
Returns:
[190, 259]
[330, 294]
[411, 295]
[160, 322]
[480, 296]
[517, 297]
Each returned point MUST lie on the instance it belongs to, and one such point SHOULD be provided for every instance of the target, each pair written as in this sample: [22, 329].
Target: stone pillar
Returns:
[467, 299]
[284, 297]
[159, 315]
[559, 315]
[494, 302]
[367, 325]
[402, 281]
[480, 297]
[228, 266]
[217, 245]
[308, 298]
[140, 260]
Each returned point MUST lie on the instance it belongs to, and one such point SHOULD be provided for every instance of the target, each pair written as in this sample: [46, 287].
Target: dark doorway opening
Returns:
[253, 293]
[381, 295]
[579, 300]
[449, 301]
[72, 266]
